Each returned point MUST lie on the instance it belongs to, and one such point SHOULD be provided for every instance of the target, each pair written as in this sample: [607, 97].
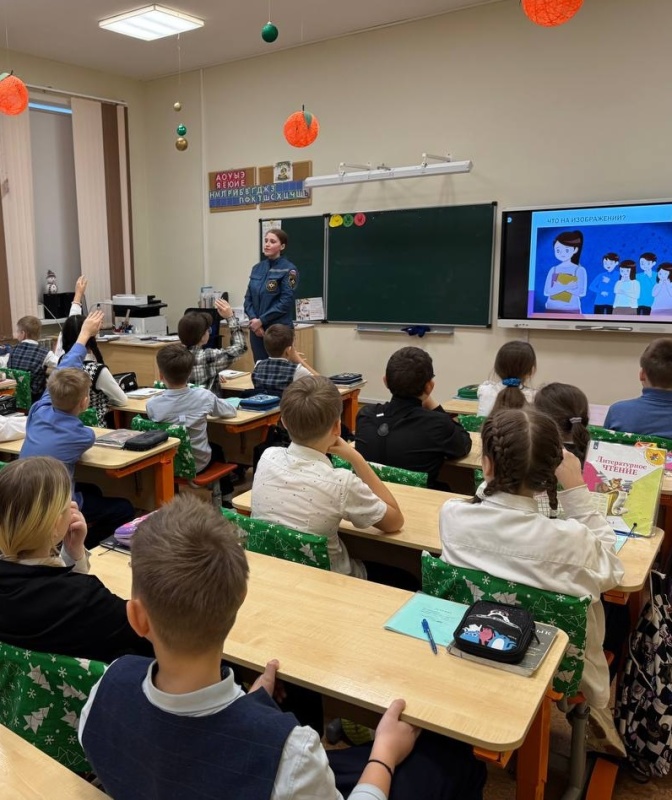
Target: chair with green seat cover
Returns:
[621, 437]
[390, 474]
[41, 699]
[566, 612]
[185, 463]
[23, 394]
[89, 417]
[272, 539]
[470, 422]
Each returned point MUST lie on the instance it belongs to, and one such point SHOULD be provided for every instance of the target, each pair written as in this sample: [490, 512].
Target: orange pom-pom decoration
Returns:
[13, 95]
[550, 13]
[301, 129]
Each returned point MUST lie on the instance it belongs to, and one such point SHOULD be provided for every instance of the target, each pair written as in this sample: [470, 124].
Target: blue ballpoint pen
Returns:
[432, 643]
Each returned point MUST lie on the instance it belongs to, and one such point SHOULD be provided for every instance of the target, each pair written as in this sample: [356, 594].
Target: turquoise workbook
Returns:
[443, 617]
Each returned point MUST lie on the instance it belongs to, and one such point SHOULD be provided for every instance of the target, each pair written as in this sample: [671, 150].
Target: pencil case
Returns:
[146, 440]
[496, 631]
[346, 378]
[259, 402]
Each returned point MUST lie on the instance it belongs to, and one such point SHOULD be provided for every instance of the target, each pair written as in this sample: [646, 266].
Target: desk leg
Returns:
[350, 406]
[164, 480]
[532, 769]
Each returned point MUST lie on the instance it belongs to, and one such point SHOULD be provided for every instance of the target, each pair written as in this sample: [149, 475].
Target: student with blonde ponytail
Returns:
[501, 532]
[47, 601]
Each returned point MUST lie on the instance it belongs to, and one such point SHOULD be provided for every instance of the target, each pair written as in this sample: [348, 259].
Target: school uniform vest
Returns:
[30, 357]
[140, 751]
[273, 375]
[97, 399]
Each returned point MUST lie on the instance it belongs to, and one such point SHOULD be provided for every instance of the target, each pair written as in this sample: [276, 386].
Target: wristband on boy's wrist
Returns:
[382, 764]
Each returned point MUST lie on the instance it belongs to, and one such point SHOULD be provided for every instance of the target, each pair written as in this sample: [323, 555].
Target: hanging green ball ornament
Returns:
[177, 106]
[181, 144]
[181, 130]
[269, 33]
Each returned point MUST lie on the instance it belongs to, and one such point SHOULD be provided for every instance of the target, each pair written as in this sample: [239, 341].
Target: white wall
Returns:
[570, 115]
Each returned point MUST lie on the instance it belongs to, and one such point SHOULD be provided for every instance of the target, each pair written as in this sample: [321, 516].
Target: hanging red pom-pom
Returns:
[13, 94]
[301, 129]
[550, 13]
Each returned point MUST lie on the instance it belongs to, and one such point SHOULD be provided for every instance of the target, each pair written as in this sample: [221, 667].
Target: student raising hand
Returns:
[91, 326]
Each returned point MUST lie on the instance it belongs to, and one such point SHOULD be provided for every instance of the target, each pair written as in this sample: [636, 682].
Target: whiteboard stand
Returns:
[444, 330]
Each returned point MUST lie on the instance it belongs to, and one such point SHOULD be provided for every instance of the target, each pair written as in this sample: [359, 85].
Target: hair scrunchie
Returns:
[511, 381]
[575, 420]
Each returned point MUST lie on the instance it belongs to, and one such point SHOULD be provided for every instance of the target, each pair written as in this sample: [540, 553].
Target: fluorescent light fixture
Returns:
[151, 22]
[388, 174]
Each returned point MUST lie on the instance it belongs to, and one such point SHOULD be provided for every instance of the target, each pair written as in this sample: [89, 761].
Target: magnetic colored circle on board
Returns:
[360, 219]
[335, 221]
[348, 219]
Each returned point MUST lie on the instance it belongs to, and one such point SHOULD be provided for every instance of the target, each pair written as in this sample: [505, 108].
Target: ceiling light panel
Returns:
[151, 22]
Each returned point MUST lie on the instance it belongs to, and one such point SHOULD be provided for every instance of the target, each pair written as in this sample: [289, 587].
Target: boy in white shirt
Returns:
[298, 486]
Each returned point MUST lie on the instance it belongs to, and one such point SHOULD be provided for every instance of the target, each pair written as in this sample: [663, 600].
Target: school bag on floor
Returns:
[644, 702]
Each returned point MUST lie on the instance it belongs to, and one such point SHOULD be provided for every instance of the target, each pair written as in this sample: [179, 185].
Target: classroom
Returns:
[567, 116]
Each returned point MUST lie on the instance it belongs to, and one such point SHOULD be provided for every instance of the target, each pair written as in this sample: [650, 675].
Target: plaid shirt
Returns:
[273, 375]
[209, 362]
[30, 356]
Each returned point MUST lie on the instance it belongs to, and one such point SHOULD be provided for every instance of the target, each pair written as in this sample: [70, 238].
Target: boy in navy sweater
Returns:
[54, 429]
[180, 726]
[652, 411]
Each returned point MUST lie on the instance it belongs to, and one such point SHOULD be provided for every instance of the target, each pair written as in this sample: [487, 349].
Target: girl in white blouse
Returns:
[502, 532]
[515, 364]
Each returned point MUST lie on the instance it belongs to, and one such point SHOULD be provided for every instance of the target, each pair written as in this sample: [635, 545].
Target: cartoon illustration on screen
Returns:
[603, 285]
[566, 282]
[662, 291]
[647, 280]
[627, 289]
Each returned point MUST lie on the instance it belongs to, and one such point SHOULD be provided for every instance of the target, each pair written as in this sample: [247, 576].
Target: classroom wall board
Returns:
[420, 265]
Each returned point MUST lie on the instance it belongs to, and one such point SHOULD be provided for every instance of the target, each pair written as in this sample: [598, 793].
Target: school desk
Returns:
[120, 463]
[7, 385]
[237, 435]
[327, 631]
[349, 395]
[129, 354]
[27, 773]
[421, 507]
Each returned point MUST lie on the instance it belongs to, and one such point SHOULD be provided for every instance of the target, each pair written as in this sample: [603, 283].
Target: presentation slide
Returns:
[592, 263]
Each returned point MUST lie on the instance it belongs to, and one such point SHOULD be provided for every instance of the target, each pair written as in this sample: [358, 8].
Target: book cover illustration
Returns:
[626, 484]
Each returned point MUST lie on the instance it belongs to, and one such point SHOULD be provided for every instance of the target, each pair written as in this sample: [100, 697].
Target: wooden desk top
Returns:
[312, 621]
[420, 508]
[27, 773]
[243, 383]
[456, 405]
[137, 405]
[104, 457]
[473, 458]
[132, 341]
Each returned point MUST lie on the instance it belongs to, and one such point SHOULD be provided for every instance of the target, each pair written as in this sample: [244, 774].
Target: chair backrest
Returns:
[273, 539]
[89, 417]
[621, 437]
[23, 394]
[470, 422]
[389, 474]
[41, 699]
[564, 611]
[184, 465]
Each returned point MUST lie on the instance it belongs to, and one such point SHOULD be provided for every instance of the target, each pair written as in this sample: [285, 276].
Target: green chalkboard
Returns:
[413, 266]
[305, 249]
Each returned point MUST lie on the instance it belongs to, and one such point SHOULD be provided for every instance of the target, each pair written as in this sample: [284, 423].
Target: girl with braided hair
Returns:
[502, 533]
